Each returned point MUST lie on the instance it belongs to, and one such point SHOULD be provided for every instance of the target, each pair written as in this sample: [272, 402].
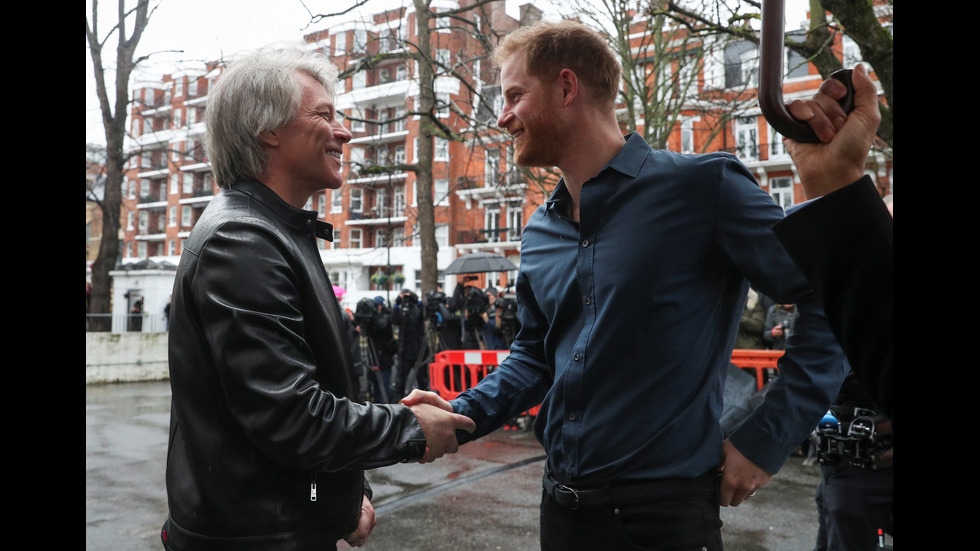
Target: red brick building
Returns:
[481, 201]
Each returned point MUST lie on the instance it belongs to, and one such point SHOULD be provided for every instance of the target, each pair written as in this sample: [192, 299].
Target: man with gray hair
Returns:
[267, 444]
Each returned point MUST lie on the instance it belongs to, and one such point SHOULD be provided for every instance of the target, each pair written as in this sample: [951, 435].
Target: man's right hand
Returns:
[439, 423]
[845, 138]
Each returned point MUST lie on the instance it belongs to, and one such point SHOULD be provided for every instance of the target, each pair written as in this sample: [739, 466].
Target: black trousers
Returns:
[684, 520]
[853, 504]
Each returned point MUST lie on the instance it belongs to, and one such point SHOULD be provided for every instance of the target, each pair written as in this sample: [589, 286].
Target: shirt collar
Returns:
[628, 161]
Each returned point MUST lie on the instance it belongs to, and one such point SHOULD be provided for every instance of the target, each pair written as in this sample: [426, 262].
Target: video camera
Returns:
[509, 324]
[862, 437]
[433, 299]
[475, 303]
[364, 313]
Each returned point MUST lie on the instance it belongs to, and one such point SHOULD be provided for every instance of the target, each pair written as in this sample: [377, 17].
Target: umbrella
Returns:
[480, 262]
[339, 292]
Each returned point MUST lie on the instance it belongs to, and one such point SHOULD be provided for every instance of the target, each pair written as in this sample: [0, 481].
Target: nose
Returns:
[342, 133]
[504, 119]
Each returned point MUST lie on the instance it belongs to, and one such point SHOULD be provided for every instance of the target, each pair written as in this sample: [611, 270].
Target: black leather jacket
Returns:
[267, 449]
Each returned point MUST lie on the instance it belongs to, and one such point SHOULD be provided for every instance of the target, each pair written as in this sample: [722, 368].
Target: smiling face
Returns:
[530, 115]
[310, 145]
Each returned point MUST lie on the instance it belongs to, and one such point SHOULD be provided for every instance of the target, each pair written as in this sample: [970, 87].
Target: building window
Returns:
[321, 205]
[491, 168]
[358, 80]
[441, 153]
[515, 221]
[398, 200]
[442, 106]
[746, 138]
[174, 183]
[400, 154]
[171, 247]
[188, 183]
[178, 88]
[192, 87]
[355, 238]
[687, 135]
[172, 217]
[750, 68]
[141, 249]
[777, 150]
[337, 238]
[440, 191]
[356, 200]
[340, 43]
[129, 220]
[491, 224]
[336, 201]
[442, 235]
[186, 217]
[781, 190]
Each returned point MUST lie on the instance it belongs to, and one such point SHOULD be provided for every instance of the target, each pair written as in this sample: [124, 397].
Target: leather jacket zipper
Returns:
[312, 486]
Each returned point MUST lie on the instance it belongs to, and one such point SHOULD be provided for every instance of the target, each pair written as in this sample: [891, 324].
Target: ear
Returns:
[568, 82]
[269, 137]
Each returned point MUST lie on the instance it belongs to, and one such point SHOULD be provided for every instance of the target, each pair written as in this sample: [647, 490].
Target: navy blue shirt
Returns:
[628, 319]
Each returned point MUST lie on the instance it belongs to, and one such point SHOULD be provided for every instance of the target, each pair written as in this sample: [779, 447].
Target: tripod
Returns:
[434, 343]
[370, 381]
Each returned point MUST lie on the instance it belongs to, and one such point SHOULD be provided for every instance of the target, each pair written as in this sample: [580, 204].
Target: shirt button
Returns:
[577, 356]
[588, 301]
[585, 243]
[571, 416]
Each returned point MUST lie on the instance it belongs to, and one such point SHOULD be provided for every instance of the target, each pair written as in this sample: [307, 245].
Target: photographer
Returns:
[373, 317]
[780, 322]
[509, 325]
[409, 316]
[441, 315]
[493, 334]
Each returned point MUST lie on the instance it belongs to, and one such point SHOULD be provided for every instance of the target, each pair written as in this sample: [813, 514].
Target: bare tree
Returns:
[114, 115]
[430, 68]
[866, 23]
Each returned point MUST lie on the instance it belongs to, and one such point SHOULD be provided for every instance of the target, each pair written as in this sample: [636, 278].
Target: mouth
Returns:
[339, 155]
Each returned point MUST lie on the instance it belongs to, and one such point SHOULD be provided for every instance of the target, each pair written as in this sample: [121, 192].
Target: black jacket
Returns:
[260, 374]
[843, 244]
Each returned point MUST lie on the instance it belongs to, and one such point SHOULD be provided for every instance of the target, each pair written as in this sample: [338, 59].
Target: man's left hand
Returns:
[365, 524]
[740, 477]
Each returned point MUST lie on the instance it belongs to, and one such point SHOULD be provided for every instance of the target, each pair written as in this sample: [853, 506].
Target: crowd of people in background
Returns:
[393, 343]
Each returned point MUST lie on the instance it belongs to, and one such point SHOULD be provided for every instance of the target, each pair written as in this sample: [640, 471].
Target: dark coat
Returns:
[262, 413]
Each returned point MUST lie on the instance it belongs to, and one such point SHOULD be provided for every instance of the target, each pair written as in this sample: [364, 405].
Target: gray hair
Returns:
[257, 92]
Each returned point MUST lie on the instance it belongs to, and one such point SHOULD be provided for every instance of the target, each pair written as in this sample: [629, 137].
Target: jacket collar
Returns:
[298, 219]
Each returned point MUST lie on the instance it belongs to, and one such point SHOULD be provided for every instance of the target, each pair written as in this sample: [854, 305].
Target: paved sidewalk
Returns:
[485, 497]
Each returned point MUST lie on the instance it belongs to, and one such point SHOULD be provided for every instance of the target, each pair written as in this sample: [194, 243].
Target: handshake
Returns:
[439, 423]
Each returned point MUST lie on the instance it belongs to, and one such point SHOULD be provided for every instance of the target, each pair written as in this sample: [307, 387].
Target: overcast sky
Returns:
[206, 30]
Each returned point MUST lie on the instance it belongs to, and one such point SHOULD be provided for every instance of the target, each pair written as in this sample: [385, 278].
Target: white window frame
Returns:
[747, 138]
[336, 201]
[340, 43]
[781, 190]
[172, 216]
[440, 191]
[440, 151]
[356, 201]
[186, 216]
[356, 238]
[491, 222]
[515, 222]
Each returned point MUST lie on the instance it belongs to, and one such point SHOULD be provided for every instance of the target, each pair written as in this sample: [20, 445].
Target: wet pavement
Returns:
[484, 497]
